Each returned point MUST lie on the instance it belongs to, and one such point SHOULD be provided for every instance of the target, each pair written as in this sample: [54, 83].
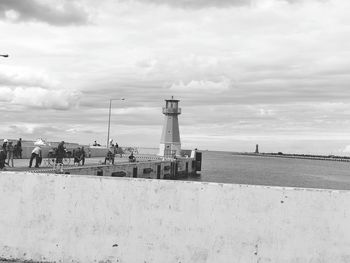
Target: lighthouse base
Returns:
[170, 149]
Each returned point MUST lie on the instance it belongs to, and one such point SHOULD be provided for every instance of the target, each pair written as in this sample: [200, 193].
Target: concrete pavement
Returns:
[22, 164]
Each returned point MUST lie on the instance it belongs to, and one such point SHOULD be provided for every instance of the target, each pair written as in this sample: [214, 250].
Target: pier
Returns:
[298, 156]
[145, 166]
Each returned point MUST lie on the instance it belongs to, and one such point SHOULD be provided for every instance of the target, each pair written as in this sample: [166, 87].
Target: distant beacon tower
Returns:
[170, 144]
[257, 148]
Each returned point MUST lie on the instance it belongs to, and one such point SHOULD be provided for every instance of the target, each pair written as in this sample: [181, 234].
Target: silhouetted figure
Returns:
[96, 144]
[110, 154]
[60, 152]
[2, 159]
[132, 158]
[77, 156]
[83, 155]
[19, 148]
[4, 146]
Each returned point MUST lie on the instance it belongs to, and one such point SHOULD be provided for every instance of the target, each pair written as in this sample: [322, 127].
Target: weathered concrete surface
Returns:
[67, 218]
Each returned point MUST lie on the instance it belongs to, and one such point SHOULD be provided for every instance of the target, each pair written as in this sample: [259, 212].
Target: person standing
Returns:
[77, 156]
[111, 143]
[83, 155]
[116, 148]
[61, 151]
[4, 146]
[19, 148]
[10, 149]
[36, 153]
[2, 158]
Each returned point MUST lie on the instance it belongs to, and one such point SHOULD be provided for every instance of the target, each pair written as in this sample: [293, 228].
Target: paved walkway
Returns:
[22, 164]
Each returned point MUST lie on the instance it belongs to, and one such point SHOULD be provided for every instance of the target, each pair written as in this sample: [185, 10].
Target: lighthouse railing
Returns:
[171, 110]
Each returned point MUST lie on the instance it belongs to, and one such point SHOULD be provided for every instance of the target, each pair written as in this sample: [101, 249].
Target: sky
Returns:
[269, 72]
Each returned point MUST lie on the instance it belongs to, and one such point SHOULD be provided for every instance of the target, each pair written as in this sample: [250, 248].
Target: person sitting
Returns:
[109, 157]
[96, 144]
[132, 158]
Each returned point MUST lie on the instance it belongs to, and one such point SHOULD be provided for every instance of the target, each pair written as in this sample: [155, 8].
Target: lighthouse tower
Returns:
[170, 144]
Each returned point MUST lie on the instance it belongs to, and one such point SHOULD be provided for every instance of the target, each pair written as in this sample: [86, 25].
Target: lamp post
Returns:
[109, 118]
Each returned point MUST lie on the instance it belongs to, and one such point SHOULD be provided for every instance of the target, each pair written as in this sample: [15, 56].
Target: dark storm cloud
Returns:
[68, 13]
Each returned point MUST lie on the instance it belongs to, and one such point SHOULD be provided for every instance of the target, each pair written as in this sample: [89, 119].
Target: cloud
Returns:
[33, 129]
[346, 149]
[35, 89]
[253, 68]
[37, 97]
[198, 4]
[197, 86]
[265, 112]
[300, 1]
[59, 13]
[20, 76]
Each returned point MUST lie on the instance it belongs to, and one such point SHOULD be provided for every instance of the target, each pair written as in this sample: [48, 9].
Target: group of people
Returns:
[8, 151]
[113, 149]
[60, 153]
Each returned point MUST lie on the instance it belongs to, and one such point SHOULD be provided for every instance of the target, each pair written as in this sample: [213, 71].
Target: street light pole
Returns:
[109, 118]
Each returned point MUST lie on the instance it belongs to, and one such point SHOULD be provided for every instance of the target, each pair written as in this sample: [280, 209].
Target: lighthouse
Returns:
[170, 144]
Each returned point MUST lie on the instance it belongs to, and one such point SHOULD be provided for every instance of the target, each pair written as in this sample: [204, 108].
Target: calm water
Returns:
[224, 167]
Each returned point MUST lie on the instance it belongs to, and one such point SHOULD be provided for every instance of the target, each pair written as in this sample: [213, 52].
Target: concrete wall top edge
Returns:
[223, 185]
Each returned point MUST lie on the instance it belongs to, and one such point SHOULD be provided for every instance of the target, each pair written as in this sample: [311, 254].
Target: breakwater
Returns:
[298, 156]
[76, 218]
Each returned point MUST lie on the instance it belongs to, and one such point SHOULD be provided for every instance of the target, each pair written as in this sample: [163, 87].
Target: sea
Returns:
[230, 168]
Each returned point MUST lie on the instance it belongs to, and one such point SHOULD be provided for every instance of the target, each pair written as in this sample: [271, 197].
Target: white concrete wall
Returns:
[67, 218]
